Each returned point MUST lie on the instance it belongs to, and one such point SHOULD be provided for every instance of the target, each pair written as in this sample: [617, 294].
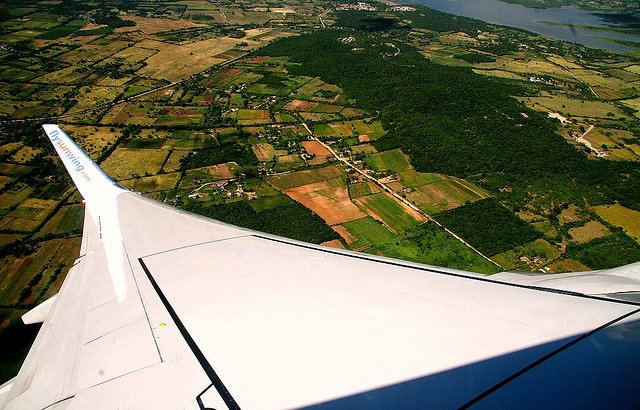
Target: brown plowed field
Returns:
[315, 148]
[331, 203]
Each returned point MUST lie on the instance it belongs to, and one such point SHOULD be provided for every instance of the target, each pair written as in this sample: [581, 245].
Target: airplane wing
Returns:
[166, 309]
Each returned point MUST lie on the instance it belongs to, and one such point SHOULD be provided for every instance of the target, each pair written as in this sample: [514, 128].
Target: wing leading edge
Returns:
[171, 309]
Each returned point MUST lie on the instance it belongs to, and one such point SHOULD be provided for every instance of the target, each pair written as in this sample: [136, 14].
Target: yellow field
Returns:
[93, 52]
[129, 114]
[176, 62]
[457, 38]
[295, 179]
[448, 193]
[9, 148]
[569, 106]
[568, 265]
[7, 238]
[633, 69]
[562, 62]
[569, 215]
[149, 25]
[63, 76]
[499, 73]
[605, 86]
[5, 180]
[28, 215]
[126, 163]
[12, 198]
[92, 96]
[25, 154]
[266, 152]
[634, 104]
[160, 182]
[625, 218]
[132, 55]
[92, 139]
[613, 139]
[173, 163]
[527, 66]
[364, 149]
[589, 231]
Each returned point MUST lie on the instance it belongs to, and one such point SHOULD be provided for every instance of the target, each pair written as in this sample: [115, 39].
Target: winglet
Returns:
[90, 180]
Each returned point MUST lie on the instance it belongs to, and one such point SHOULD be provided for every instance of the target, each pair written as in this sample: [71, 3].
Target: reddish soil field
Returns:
[330, 203]
[299, 105]
[315, 148]
[333, 244]
[346, 235]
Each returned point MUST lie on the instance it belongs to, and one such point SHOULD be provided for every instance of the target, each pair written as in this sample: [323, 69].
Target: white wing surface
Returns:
[165, 309]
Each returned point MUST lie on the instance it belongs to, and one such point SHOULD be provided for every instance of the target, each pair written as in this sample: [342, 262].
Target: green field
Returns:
[431, 245]
[373, 129]
[411, 179]
[572, 107]
[389, 211]
[161, 182]
[67, 219]
[516, 259]
[618, 215]
[393, 160]
[360, 189]
[446, 193]
[300, 178]
[368, 232]
[269, 202]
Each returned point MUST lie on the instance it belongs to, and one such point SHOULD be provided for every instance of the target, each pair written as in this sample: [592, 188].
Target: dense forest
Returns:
[225, 152]
[490, 227]
[452, 121]
[292, 221]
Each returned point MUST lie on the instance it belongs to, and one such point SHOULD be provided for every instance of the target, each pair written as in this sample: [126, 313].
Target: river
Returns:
[514, 15]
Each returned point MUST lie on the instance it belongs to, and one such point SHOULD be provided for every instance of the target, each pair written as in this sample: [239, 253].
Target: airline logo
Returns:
[65, 151]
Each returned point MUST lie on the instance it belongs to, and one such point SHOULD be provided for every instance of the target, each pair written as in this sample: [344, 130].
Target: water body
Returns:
[514, 15]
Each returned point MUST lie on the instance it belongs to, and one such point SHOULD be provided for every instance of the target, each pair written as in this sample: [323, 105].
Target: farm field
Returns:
[367, 232]
[573, 107]
[125, 163]
[533, 255]
[328, 199]
[588, 232]
[69, 219]
[444, 250]
[92, 139]
[412, 179]
[174, 62]
[393, 160]
[226, 138]
[444, 193]
[300, 178]
[248, 117]
[361, 189]
[160, 182]
[625, 218]
[395, 216]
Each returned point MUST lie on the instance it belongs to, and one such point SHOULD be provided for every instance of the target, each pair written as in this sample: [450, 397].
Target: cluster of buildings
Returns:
[364, 6]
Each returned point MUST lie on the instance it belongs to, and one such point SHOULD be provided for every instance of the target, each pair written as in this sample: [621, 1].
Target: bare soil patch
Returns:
[344, 234]
[589, 231]
[330, 202]
[315, 148]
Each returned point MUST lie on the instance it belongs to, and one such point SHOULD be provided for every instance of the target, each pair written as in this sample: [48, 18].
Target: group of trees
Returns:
[490, 227]
[292, 221]
[452, 121]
